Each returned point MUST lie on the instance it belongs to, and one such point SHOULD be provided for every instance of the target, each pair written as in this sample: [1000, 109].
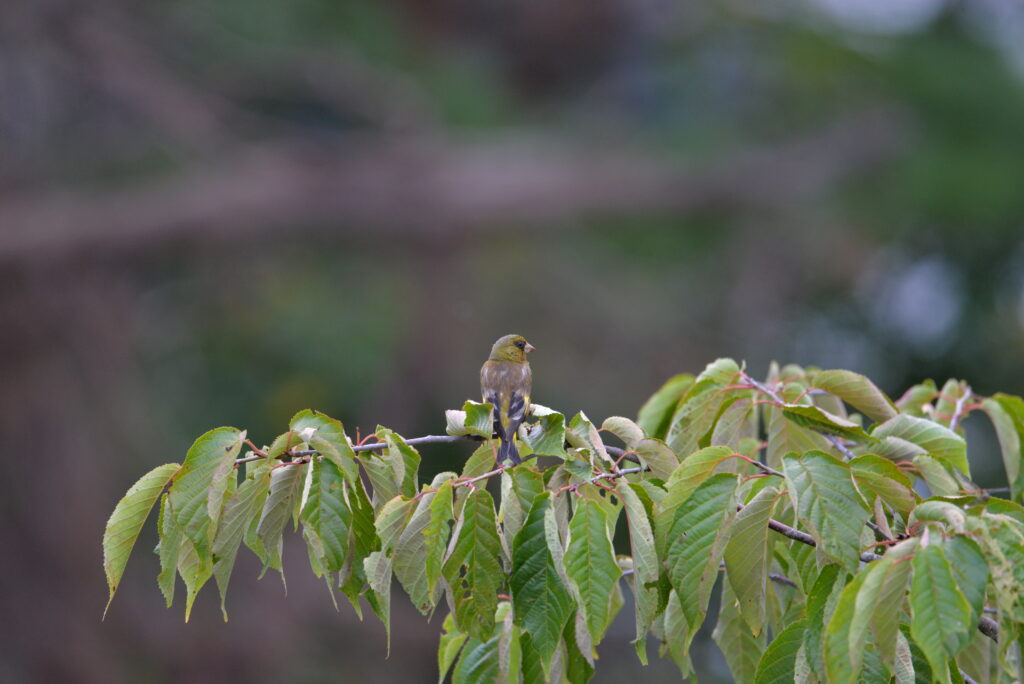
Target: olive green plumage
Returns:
[505, 382]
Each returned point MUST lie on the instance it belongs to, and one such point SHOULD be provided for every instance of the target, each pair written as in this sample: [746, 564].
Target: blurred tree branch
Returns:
[434, 185]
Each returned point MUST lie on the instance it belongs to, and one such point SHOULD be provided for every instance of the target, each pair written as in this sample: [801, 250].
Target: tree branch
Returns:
[422, 185]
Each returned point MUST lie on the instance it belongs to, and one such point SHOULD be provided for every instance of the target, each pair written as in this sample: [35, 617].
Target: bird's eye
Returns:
[521, 344]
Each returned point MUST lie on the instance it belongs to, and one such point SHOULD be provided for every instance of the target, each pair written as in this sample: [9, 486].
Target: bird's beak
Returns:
[528, 348]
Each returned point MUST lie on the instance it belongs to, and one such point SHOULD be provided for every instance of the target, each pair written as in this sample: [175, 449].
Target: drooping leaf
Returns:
[405, 461]
[657, 411]
[412, 549]
[779, 660]
[826, 501]
[474, 419]
[126, 522]
[590, 566]
[742, 650]
[645, 561]
[873, 598]
[821, 601]
[970, 570]
[857, 391]
[435, 533]
[195, 571]
[325, 516]
[746, 558]
[478, 663]
[941, 623]
[542, 604]
[1007, 415]
[520, 486]
[244, 505]
[285, 484]
[937, 440]
[378, 568]
[169, 547]
[193, 494]
[448, 648]
[472, 570]
[695, 541]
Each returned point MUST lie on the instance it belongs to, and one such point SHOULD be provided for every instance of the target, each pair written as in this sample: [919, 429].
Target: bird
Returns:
[505, 383]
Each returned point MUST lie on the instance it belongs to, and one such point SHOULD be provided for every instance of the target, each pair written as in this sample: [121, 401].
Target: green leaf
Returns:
[821, 601]
[785, 436]
[170, 546]
[327, 436]
[579, 666]
[198, 488]
[779, 660]
[945, 407]
[449, 647]
[914, 399]
[645, 560]
[126, 522]
[412, 549]
[677, 634]
[478, 663]
[656, 455]
[746, 558]
[362, 542]
[520, 486]
[547, 436]
[480, 461]
[941, 623]
[195, 571]
[244, 505]
[825, 499]
[692, 471]
[436, 532]
[938, 441]
[937, 476]
[405, 461]
[872, 599]
[697, 412]
[325, 517]
[695, 543]
[970, 570]
[657, 411]
[583, 434]
[378, 569]
[472, 570]
[285, 486]
[590, 566]
[878, 476]
[542, 604]
[391, 520]
[629, 432]
[739, 421]
[817, 419]
[742, 650]
[857, 391]
[474, 419]
[1007, 415]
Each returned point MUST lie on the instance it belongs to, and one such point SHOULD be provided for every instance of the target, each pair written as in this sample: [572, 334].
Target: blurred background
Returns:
[219, 213]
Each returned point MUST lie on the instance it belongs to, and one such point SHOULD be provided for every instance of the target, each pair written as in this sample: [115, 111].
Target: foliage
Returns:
[851, 546]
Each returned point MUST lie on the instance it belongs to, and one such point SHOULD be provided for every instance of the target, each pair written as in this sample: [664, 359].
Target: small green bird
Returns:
[505, 382]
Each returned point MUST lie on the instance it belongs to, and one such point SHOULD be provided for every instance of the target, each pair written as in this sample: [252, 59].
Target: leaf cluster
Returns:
[843, 528]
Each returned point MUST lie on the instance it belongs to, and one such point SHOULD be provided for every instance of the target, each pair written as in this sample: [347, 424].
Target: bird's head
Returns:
[511, 348]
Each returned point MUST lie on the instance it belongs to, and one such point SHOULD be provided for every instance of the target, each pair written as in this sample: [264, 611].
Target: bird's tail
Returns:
[507, 451]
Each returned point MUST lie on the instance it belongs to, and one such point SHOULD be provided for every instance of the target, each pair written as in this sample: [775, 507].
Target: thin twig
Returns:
[958, 409]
